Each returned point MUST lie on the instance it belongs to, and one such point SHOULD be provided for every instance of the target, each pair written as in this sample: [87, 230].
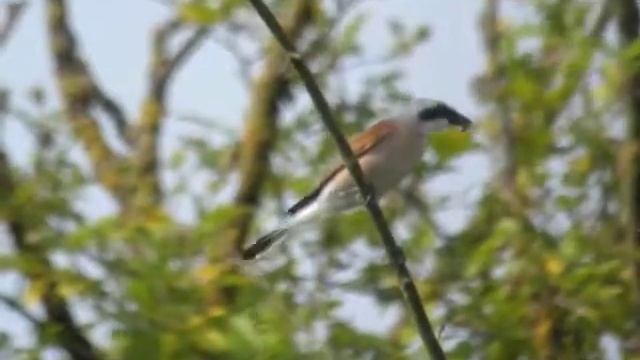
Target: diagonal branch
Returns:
[73, 71]
[81, 95]
[394, 252]
[163, 66]
[14, 305]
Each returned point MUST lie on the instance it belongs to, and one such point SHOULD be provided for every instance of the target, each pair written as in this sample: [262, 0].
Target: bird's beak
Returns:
[460, 120]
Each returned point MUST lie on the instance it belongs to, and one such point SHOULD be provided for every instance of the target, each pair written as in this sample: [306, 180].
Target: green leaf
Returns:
[482, 257]
[205, 12]
[142, 345]
[348, 41]
[449, 144]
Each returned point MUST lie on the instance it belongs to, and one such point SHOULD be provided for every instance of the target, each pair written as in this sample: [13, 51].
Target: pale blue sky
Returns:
[114, 38]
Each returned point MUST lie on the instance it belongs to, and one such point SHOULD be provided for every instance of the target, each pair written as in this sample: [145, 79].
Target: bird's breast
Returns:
[384, 166]
[388, 164]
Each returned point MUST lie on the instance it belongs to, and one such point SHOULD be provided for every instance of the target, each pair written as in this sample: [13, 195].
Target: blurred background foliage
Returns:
[547, 265]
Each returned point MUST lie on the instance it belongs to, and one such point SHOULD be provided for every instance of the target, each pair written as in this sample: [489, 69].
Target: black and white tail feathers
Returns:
[263, 243]
[298, 216]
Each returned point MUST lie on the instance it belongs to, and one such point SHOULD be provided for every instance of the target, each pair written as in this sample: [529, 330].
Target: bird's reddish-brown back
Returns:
[366, 140]
[360, 144]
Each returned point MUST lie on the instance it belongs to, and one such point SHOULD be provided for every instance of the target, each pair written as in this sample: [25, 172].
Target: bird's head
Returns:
[433, 115]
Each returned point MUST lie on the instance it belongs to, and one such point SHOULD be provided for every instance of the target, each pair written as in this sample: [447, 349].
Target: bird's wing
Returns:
[360, 144]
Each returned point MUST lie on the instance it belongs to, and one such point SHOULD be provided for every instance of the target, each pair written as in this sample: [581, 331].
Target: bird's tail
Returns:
[291, 223]
[263, 243]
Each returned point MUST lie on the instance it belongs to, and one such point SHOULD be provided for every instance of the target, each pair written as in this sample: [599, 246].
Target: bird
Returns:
[386, 151]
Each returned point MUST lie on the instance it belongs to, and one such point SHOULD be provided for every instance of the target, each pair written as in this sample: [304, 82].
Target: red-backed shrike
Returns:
[387, 151]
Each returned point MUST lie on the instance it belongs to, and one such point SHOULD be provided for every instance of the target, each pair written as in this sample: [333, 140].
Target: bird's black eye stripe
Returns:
[439, 111]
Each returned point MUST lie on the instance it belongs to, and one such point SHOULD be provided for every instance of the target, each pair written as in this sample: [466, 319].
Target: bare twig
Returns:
[394, 252]
[344, 9]
[14, 305]
[13, 11]
[245, 61]
[163, 66]
[112, 109]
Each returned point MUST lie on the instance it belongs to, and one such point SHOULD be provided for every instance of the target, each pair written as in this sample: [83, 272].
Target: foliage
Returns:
[544, 267]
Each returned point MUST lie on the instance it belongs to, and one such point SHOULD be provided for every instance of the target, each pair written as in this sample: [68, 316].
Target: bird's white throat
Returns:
[433, 126]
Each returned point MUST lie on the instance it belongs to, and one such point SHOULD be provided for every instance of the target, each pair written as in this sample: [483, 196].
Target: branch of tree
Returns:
[13, 11]
[164, 65]
[113, 110]
[14, 305]
[394, 252]
[80, 94]
[69, 63]
[68, 334]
